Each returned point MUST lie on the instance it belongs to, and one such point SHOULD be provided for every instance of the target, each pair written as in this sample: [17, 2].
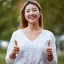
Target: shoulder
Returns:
[16, 32]
[47, 32]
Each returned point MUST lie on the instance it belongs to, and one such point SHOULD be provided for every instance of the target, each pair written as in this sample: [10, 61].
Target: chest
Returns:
[32, 35]
[38, 43]
[32, 40]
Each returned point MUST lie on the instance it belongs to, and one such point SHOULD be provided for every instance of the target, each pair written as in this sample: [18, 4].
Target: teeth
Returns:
[32, 16]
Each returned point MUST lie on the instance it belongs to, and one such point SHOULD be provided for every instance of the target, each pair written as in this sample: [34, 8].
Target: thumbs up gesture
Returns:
[15, 50]
[49, 50]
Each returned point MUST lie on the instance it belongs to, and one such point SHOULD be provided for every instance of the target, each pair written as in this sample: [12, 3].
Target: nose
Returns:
[31, 12]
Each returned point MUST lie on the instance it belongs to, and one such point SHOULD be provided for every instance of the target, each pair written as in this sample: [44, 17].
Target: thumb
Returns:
[16, 43]
[48, 43]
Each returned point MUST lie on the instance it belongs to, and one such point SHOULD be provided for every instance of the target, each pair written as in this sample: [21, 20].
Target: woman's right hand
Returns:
[15, 51]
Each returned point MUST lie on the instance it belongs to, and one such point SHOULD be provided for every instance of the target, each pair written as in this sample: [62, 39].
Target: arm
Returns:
[9, 50]
[52, 59]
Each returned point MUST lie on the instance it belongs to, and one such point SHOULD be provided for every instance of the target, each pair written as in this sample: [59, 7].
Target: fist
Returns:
[15, 50]
[49, 49]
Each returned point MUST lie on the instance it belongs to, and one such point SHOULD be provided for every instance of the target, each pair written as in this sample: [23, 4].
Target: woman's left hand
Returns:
[49, 49]
[49, 52]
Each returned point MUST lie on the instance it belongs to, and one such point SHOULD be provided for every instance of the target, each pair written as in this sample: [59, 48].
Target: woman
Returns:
[31, 44]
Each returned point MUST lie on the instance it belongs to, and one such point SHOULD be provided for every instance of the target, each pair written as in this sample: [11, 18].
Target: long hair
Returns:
[23, 21]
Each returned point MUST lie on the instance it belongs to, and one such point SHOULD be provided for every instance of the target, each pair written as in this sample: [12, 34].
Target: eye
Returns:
[34, 10]
[27, 11]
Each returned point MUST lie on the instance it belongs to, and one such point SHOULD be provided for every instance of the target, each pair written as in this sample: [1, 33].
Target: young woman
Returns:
[31, 43]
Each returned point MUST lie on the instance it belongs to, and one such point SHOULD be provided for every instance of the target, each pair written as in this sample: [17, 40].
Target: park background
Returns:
[53, 20]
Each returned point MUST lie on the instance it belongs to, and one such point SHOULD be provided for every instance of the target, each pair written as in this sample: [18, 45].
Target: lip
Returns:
[32, 17]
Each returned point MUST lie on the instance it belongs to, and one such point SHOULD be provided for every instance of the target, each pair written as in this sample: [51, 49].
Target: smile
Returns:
[32, 17]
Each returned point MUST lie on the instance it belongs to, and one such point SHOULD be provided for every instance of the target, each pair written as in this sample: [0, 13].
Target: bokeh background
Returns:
[53, 20]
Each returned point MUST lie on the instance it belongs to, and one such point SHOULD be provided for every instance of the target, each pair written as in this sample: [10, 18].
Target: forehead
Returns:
[30, 6]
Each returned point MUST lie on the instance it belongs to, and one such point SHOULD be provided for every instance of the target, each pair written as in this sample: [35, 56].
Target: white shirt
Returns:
[32, 52]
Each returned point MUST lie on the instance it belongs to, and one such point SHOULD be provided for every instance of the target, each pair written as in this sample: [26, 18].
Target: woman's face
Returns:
[32, 13]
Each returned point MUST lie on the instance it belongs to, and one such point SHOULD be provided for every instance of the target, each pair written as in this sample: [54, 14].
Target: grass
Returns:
[61, 59]
[3, 53]
[2, 56]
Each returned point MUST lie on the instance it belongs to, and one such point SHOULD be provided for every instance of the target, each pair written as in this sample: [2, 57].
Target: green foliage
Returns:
[8, 18]
[61, 59]
[2, 56]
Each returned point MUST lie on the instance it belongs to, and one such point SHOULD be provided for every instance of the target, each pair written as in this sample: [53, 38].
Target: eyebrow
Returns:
[32, 8]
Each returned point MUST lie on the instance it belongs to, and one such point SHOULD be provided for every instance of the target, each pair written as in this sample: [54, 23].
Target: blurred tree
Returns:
[53, 14]
[8, 17]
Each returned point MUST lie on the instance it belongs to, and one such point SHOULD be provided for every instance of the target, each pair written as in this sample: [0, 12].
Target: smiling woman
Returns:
[24, 22]
[31, 43]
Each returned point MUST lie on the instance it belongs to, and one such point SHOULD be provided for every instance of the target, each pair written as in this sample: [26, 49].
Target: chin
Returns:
[32, 21]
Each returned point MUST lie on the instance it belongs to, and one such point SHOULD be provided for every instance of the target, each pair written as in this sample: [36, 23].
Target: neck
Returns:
[33, 27]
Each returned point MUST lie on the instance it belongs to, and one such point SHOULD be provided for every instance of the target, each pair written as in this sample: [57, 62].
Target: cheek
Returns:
[26, 15]
[38, 13]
